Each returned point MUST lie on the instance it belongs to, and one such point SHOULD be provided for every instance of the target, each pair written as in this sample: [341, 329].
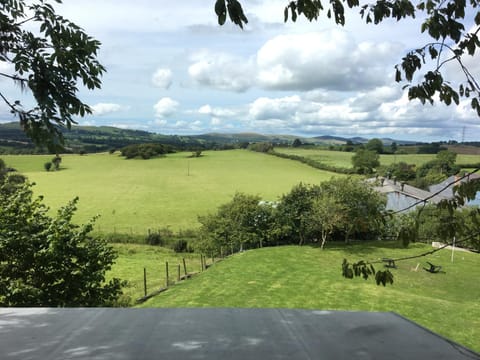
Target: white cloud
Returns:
[371, 100]
[107, 108]
[205, 109]
[280, 108]
[323, 60]
[217, 112]
[6, 68]
[165, 107]
[216, 121]
[221, 71]
[162, 78]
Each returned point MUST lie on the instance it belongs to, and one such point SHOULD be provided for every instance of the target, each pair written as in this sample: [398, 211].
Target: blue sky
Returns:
[171, 69]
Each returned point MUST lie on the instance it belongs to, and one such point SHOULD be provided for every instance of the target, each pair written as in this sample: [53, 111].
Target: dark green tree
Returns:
[453, 27]
[296, 143]
[293, 212]
[238, 224]
[393, 147]
[401, 171]
[375, 145]
[363, 208]
[50, 261]
[365, 161]
[50, 57]
[56, 162]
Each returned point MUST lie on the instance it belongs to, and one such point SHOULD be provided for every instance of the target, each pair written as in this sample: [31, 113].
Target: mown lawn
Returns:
[308, 278]
[133, 196]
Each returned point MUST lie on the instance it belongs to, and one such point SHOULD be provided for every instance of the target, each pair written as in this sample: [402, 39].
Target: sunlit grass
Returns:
[133, 196]
[308, 278]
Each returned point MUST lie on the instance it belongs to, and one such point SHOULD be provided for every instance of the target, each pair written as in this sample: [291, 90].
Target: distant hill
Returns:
[104, 138]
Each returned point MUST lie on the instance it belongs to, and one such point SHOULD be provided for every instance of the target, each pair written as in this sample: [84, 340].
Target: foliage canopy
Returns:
[49, 261]
[48, 55]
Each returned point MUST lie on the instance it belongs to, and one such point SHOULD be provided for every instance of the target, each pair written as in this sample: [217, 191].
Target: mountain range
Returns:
[104, 138]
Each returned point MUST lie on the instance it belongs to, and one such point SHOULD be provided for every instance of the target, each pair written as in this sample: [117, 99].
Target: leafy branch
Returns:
[366, 269]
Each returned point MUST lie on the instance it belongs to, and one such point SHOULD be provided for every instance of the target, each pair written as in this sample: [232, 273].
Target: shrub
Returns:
[154, 238]
[180, 246]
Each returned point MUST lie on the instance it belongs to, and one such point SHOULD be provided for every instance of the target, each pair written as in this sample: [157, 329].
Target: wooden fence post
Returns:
[145, 281]
[166, 271]
[185, 267]
[178, 275]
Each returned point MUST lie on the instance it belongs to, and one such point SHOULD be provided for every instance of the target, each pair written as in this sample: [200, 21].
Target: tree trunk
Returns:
[301, 239]
[324, 239]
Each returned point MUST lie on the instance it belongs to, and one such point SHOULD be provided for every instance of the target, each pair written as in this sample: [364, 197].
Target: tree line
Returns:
[342, 208]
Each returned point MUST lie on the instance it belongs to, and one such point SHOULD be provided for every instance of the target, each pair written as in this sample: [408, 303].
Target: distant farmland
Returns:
[133, 196]
[343, 159]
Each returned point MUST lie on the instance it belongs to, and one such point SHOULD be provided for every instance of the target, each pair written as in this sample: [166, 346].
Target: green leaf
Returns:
[398, 75]
[220, 8]
[222, 18]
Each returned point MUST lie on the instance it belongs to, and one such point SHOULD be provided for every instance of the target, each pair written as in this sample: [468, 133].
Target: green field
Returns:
[344, 159]
[307, 278]
[133, 258]
[133, 196]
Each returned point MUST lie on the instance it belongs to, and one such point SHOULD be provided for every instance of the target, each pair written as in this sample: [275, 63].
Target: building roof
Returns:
[386, 186]
[448, 191]
[100, 333]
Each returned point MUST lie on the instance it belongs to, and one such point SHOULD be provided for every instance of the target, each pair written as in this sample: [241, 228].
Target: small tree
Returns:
[364, 161]
[326, 215]
[294, 209]
[375, 145]
[362, 207]
[47, 261]
[296, 143]
[56, 162]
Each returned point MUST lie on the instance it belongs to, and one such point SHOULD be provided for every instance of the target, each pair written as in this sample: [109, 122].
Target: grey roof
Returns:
[390, 186]
[448, 192]
[99, 333]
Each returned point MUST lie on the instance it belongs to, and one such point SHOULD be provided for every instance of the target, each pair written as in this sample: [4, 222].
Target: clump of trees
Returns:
[49, 261]
[145, 151]
[264, 147]
[365, 161]
[55, 164]
[339, 209]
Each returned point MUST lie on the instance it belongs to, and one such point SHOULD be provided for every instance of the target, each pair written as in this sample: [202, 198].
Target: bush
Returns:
[180, 246]
[154, 238]
[47, 166]
[50, 261]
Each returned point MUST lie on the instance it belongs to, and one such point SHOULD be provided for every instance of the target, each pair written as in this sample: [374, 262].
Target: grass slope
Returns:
[133, 258]
[307, 278]
[135, 195]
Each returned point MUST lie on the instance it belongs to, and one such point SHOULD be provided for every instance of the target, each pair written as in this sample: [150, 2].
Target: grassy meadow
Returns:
[308, 278]
[133, 196]
[344, 159]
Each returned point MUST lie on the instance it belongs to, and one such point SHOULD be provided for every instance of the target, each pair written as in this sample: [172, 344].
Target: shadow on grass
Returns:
[364, 248]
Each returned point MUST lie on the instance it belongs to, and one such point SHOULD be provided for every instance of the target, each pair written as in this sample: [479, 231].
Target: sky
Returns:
[172, 69]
